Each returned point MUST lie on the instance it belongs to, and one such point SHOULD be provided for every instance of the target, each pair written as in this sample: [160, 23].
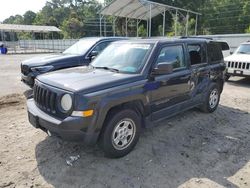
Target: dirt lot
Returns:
[10, 73]
[191, 150]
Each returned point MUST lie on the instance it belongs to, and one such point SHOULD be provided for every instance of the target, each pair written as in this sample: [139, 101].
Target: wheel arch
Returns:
[220, 83]
[136, 105]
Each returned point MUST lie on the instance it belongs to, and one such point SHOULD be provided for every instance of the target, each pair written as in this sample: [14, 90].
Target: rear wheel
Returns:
[212, 99]
[121, 133]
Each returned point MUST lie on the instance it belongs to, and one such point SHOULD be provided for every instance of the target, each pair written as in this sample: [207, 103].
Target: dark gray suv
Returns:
[130, 85]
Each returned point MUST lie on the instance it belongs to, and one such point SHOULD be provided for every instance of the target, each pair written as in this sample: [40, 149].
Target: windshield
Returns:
[243, 49]
[123, 57]
[80, 48]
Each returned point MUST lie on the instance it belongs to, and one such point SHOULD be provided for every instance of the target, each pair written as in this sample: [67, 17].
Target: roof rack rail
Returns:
[208, 38]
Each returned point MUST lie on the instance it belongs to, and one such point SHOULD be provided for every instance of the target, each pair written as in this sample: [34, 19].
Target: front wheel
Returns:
[121, 133]
[212, 99]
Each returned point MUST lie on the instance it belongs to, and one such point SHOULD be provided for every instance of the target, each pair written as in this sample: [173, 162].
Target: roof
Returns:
[28, 28]
[103, 38]
[138, 9]
[164, 40]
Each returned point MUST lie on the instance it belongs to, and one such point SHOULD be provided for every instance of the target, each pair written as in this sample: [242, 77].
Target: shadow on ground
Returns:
[240, 82]
[190, 145]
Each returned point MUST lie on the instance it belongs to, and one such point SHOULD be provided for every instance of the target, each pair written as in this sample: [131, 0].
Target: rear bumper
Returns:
[70, 129]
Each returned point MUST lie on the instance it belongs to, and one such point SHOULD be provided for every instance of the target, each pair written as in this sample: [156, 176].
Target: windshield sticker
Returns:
[141, 46]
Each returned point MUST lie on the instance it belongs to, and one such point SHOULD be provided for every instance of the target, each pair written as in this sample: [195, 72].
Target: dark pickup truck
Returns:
[81, 53]
[130, 85]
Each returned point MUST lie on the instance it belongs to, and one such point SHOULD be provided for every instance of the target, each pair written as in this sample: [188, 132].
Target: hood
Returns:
[48, 59]
[239, 58]
[86, 79]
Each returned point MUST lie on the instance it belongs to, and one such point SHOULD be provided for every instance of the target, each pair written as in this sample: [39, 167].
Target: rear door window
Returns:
[214, 52]
[197, 54]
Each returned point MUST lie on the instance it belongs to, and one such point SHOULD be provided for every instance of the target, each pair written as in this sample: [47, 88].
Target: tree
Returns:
[73, 27]
[142, 31]
[79, 18]
[17, 19]
[29, 17]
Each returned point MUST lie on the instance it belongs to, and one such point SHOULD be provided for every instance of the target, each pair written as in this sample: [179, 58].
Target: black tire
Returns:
[114, 122]
[207, 107]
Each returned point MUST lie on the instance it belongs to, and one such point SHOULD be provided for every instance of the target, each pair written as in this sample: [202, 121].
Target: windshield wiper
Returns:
[107, 68]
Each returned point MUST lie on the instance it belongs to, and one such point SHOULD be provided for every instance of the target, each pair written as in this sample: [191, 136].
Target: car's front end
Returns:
[72, 57]
[238, 64]
[52, 110]
[73, 103]
[29, 73]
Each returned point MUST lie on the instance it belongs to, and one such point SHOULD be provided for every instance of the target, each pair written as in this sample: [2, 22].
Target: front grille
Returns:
[25, 69]
[45, 99]
[238, 65]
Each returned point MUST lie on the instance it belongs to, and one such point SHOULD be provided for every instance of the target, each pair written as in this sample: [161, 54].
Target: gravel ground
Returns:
[190, 150]
[10, 73]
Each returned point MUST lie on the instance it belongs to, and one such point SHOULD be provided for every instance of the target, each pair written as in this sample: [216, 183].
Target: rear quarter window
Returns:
[215, 54]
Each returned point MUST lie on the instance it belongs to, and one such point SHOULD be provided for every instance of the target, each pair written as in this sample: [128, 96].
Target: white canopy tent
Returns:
[144, 10]
[13, 28]
[28, 28]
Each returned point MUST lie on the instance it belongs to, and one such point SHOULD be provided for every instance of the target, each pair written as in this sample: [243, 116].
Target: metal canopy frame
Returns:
[13, 28]
[143, 10]
[28, 28]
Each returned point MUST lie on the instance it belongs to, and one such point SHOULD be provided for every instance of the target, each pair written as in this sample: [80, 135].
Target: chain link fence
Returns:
[38, 46]
[54, 46]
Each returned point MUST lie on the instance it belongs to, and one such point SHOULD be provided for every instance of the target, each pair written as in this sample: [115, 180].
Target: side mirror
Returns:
[93, 55]
[231, 53]
[163, 68]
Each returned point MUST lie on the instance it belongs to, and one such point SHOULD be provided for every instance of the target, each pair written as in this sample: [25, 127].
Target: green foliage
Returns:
[247, 30]
[72, 27]
[68, 15]
[142, 31]
[29, 18]
[17, 19]
[79, 18]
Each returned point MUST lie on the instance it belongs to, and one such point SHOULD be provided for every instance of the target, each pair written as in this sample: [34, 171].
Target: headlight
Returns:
[42, 69]
[66, 102]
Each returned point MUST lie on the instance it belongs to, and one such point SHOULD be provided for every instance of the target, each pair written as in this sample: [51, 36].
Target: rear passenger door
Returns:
[173, 88]
[199, 67]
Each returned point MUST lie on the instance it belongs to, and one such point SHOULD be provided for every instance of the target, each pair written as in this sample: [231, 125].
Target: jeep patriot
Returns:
[130, 85]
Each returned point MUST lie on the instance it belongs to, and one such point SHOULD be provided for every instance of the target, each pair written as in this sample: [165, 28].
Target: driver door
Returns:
[98, 49]
[173, 88]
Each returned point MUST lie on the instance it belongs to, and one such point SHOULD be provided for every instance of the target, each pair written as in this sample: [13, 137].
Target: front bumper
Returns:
[71, 128]
[28, 80]
[238, 72]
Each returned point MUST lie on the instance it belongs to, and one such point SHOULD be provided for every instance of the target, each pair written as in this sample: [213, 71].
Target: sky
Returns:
[12, 7]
